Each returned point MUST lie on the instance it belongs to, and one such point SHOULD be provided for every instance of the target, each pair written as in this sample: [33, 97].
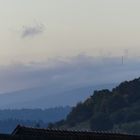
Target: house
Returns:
[27, 133]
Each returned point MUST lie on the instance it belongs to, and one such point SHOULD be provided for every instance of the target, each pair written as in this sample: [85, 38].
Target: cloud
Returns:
[72, 73]
[31, 31]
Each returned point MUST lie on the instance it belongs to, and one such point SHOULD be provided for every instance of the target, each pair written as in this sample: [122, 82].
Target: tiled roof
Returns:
[39, 132]
[28, 133]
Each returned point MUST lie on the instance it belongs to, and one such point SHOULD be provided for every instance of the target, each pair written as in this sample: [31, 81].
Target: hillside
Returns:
[117, 110]
[9, 119]
[46, 115]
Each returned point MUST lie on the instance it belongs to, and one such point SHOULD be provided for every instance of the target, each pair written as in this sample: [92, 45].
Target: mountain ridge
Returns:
[107, 110]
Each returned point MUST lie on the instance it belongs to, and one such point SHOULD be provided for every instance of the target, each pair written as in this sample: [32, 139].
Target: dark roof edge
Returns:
[16, 129]
[73, 131]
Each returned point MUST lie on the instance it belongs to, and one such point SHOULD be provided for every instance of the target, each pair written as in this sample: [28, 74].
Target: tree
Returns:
[101, 122]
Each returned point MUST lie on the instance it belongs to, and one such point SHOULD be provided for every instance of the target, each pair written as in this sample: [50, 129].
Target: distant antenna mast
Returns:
[122, 60]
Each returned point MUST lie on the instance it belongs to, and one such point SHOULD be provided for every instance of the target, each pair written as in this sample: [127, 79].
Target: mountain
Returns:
[108, 110]
[46, 97]
[46, 115]
[9, 119]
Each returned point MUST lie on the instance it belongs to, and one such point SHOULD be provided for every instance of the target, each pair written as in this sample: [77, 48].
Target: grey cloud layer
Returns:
[75, 72]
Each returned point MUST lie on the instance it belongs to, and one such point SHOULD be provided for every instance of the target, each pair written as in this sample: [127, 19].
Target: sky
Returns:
[36, 30]
[35, 33]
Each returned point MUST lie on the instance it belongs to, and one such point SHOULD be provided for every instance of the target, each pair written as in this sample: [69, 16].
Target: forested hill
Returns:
[117, 110]
[45, 115]
[9, 119]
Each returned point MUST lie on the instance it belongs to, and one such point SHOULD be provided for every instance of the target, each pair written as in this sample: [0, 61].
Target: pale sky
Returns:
[37, 30]
[69, 43]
